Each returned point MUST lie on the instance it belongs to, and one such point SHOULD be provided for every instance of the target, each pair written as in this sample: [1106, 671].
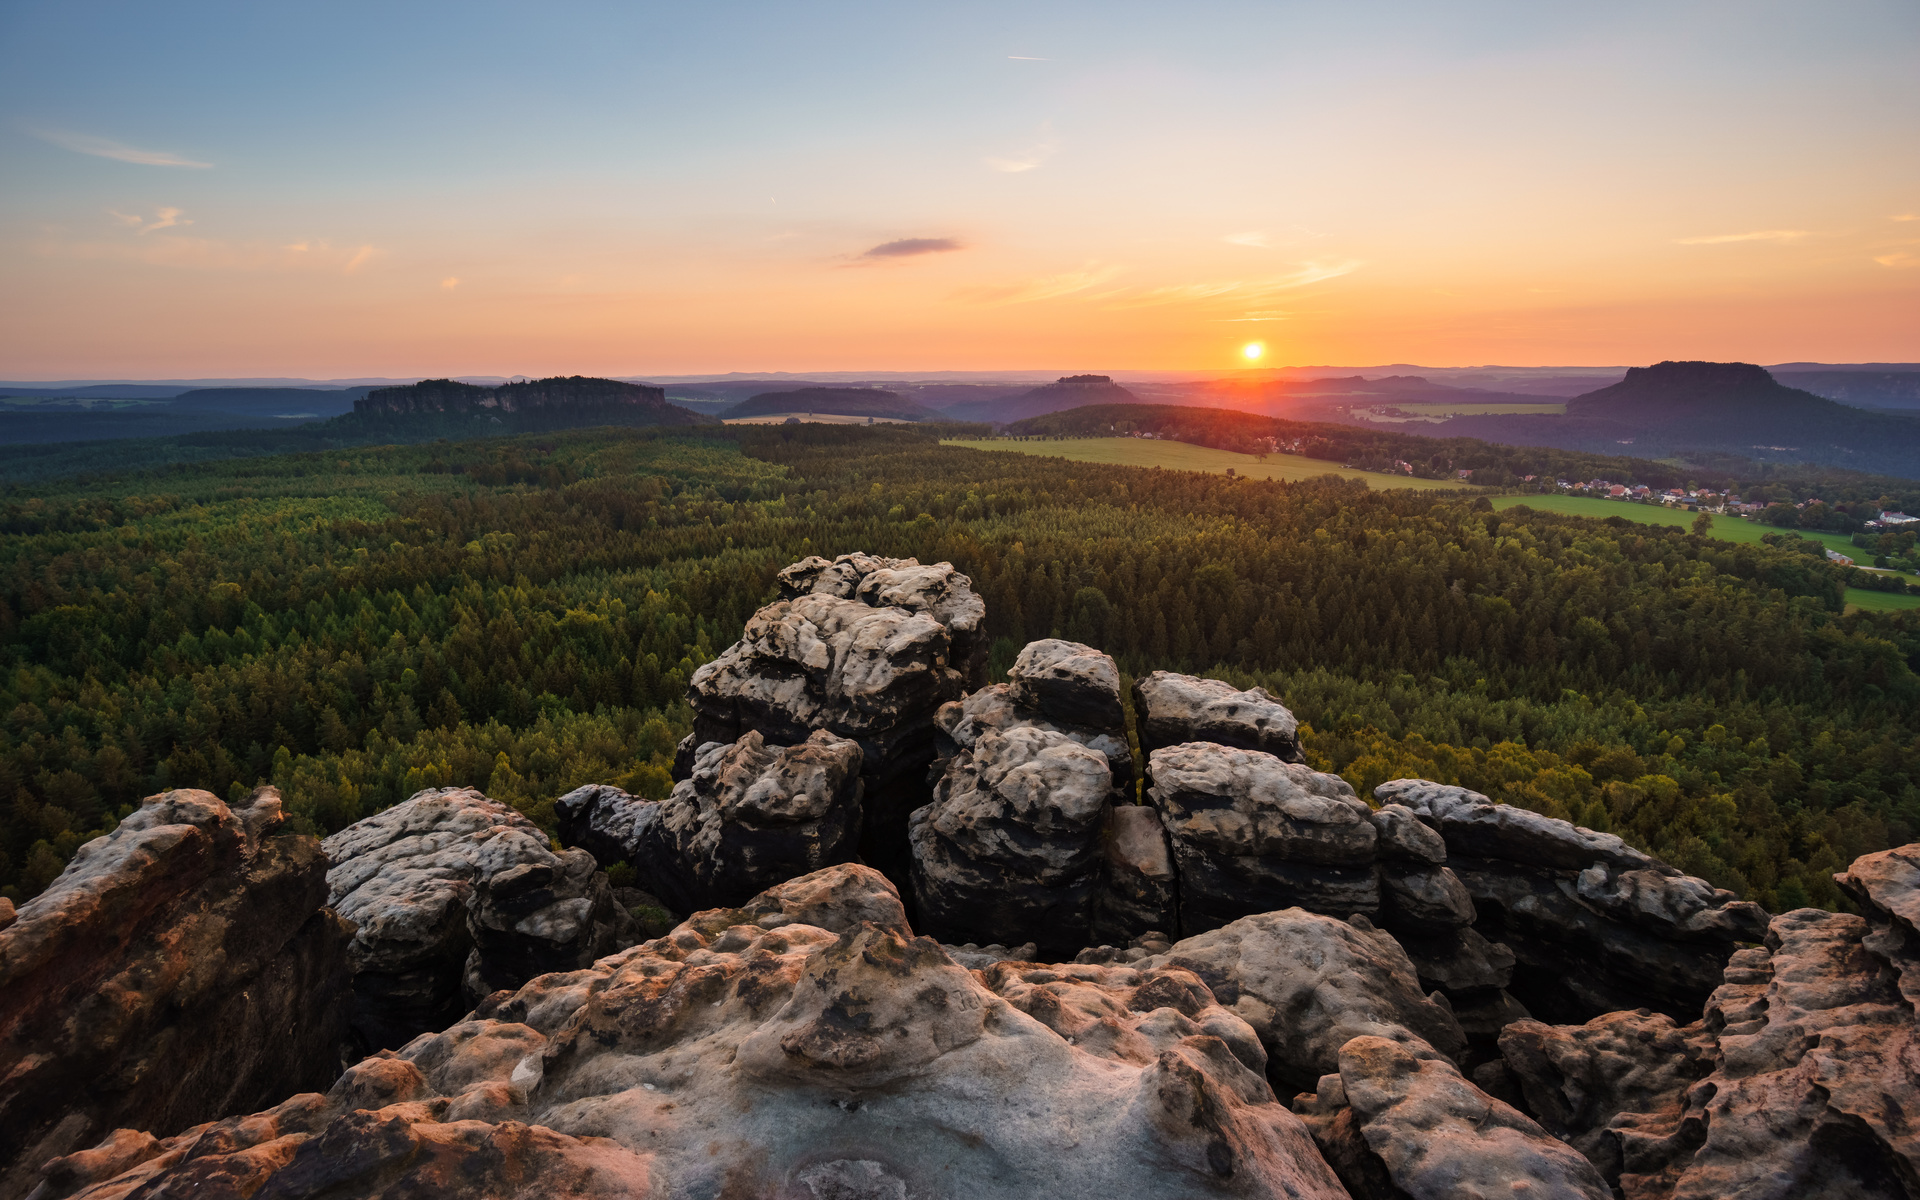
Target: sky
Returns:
[418, 188]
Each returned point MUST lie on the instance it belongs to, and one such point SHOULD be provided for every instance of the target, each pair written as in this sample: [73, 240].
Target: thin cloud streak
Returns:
[1243, 290]
[1253, 237]
[1047, 287]
[99, 147]
[1041, 151]
[912, 248]
[1758, 235]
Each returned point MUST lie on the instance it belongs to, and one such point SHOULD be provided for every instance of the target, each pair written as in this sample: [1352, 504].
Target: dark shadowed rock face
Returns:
[751, 815]
[1595, 924]
[1251, 833]
[865, 648]
[751, 1054]
[1172, 709]
[1069, 683]
[457, 896]
[1009, 848]
[180, 968]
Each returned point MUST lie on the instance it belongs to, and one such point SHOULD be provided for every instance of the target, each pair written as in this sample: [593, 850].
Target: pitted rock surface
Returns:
[456, 896]
[1596, 925]
[180, 968]
[795, 1060]
[1251, 833]
[1173, 709]
[864, 648]
[750, 815]
[1010, 846]
[993, 709]
[1308, 984]
[1433, 1135]
[1069, 683]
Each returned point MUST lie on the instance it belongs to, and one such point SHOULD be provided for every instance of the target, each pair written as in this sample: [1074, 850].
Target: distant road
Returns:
[1183, 456]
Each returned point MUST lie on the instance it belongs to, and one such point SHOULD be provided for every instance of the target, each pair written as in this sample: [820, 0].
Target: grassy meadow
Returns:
[1183, 456]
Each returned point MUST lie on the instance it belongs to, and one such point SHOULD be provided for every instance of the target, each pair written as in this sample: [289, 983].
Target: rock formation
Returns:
[1172, 709]
[456, 896]
[179, 969]
[751, 815]
[1596, 925]
[1251, 833]
[1011, 845]
[865, 648]
[577, 397]
[755, 1053]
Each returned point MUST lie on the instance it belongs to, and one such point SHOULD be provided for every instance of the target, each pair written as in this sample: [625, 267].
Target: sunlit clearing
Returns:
[1253, 350]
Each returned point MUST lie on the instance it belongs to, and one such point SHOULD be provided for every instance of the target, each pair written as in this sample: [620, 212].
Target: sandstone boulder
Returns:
[456, 896]
[768, 1058]
[1173, 709]
[181, 968]
[749, 815]
[1139, 889]
[1595, 925]
[1009, 848]
[1069, 683]
[1308, 984]
[1431, 1135]
[864, 648]
[1251, 833]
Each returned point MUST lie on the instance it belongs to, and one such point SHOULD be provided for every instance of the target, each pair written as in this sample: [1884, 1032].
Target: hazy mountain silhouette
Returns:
[835, 401]
[1070, 391]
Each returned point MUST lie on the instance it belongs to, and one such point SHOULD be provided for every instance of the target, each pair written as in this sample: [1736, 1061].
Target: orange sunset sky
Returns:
[216, 190]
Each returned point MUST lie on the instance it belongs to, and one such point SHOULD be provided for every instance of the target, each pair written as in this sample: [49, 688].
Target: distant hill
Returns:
[835, 401]
[1677, 408]
[277, 402]
[1071, 391]
[1862, 389]
[561, 401]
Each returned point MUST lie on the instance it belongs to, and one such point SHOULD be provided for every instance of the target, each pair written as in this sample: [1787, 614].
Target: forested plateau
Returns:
[523, 614]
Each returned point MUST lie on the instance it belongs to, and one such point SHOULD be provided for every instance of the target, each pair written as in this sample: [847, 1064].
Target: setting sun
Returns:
[1252, 351]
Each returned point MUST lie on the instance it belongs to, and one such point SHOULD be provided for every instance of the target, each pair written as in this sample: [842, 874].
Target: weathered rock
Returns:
[180, 968]
[742, 1058]
[1251, 833]
[1069, 683]
[979, 958]
[456, 896]
[1010, 846]
[1173, 709]
[992, 709]
[1403, 838]
[1139, 890]
[750, 815]
[1596, 925]
[1308, 984]
[1798, 1080]
[7, 913]
[865, 648]
[1436, 1135]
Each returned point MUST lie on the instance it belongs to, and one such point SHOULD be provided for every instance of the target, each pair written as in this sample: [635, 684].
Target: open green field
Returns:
[1727, 529]
[1546, 408]
[1181, 456]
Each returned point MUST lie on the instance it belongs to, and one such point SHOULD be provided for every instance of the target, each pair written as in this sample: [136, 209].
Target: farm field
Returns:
[1880, 601]
[1183, 456]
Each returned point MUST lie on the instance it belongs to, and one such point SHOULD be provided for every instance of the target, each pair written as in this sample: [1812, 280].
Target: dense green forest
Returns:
[1850, 496]
[522, 615]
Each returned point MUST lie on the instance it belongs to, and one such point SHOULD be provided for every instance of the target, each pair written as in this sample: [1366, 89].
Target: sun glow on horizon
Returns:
[1253, 351]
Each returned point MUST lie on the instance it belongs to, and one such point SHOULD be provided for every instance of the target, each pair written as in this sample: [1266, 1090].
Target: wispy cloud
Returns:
[911, 248]
[99, 147]
[214, 254]
[1241, 290]
[166, 218]
[1758, 235]
[1898, 259]
[1268, 315]
[1252, 237]
[1035, 155]
[358, 260]
[1027, 58]
[450, 282]
[1046, 287]
[1905, 217]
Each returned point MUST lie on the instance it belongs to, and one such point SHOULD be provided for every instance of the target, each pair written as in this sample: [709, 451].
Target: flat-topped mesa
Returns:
[1595, 924]
[555, 394]
[865, 648]
[181, 968]
[1172, 709]
[805, 1044]
[457, 896]
[752, 815]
